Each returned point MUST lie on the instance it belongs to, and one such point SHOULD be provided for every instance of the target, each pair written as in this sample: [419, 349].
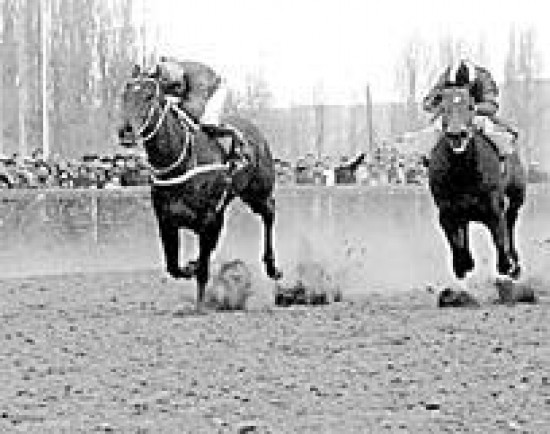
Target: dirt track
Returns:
[105, 352]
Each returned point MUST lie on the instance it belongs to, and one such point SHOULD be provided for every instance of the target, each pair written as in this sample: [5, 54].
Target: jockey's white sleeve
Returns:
[484, 123]
[214, 106]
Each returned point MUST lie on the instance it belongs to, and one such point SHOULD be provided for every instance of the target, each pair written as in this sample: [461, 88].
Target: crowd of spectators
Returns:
[91, 171]
[382, 167]
[385, 166]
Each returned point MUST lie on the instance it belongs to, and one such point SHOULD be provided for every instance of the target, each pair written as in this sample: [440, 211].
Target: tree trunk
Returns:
[2, 95]
[21, 79]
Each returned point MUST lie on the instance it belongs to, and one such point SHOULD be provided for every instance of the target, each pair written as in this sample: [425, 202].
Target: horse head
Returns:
[142, 108]
[457, 113]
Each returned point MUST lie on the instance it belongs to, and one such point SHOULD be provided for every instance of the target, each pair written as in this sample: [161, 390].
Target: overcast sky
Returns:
[336, 46]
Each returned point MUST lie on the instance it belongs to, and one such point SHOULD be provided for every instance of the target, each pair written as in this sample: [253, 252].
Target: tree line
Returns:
[522, 97]
[63, 64]
[71, 55]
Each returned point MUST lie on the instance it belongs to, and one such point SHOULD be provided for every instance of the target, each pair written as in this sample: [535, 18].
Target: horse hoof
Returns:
[505, 289]
[175, 273]
[201, 308]
[190, 270]
[274, 273]
[186, 272]
[515, 272]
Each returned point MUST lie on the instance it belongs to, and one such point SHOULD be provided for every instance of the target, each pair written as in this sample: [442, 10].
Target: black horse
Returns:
[472, 181]
[192, 180]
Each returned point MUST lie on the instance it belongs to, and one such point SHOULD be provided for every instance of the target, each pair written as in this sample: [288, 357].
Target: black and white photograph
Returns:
[274, 216]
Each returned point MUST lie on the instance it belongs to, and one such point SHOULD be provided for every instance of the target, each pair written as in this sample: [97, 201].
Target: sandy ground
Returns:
[105, 352]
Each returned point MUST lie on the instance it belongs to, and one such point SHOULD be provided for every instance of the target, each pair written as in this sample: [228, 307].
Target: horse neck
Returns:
[166, 146]
[475, 158]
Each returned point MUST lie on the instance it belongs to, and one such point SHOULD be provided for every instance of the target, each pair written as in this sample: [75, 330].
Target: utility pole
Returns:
[352, 128]
[45, 31]
[319, 128]
[370, 139]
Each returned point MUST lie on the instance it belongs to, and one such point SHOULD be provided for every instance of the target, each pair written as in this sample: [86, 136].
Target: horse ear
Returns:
[136, 70]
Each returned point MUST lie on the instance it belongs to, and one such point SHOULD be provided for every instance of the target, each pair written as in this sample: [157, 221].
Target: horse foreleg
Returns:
[169, 236]
[208, 240]
[266, 210]
[467, 259]
[511, 219]
[498, 228]
[457, 237]
[516, 198]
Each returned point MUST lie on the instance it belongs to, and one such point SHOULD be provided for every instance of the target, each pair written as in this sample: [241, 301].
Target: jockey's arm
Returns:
[488, 106]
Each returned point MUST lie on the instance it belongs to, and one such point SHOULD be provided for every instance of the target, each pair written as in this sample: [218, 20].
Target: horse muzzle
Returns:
[459, 141]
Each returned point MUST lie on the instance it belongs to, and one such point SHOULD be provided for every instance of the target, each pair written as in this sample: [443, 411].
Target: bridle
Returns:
[187, 123]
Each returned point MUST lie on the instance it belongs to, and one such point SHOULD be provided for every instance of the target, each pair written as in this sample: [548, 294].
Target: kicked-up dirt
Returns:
[105, 352]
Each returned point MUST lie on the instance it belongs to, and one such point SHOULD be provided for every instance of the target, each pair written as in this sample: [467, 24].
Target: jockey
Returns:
[201, 93]
[483, 89]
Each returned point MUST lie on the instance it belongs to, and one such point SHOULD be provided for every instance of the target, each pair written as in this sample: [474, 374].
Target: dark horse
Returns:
[471, 181]
[192, 181]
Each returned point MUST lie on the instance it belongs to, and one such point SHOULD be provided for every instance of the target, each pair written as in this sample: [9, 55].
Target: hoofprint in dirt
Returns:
[105, 352]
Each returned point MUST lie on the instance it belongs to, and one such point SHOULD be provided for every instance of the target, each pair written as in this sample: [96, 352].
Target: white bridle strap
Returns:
[190, 174]
[157, 126]
[170, 105]
[183, 153]
[190, 126]
[185, 117]
[151, 112]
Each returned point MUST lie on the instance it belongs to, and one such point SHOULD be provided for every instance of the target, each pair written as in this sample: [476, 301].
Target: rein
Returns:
[190, 127]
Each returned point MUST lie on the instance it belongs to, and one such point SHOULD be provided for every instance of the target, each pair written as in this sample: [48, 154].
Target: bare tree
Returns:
[9, 76]
[78, 83]
[253, 99]
[2, 58]
[481, 54]
[414, 72]
[521, 100]
[22, 76]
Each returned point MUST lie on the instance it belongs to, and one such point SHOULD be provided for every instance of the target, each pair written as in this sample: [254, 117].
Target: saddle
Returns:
[233, 149]
[231, 141]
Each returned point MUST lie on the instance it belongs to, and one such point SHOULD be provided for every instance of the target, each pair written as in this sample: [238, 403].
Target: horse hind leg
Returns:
[266, 210]
[515, 194]
[499, 229]
[511, 220]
